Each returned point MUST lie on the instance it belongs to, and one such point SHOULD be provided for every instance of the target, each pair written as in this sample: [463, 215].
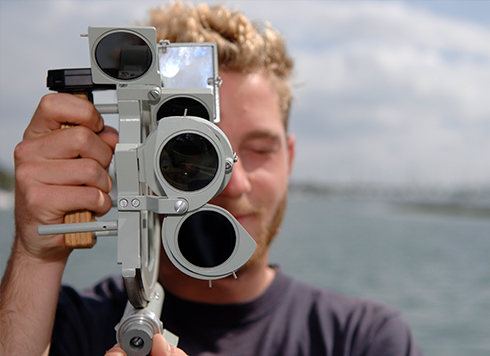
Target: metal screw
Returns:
[228, 165]
[123, 203]
[219, 82]
[135, 203]
[154, 95]
[181, 206]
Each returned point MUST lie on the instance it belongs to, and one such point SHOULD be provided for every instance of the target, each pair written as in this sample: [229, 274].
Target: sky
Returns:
[386, 92]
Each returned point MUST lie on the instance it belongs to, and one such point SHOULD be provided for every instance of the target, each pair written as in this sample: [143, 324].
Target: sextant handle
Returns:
[79, 239]
[77, 82]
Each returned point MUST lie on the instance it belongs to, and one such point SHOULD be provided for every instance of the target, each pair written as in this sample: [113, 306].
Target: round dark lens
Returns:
[206, 239]
[182, 106]
[137, 343]
[123, 56]
[189, 162]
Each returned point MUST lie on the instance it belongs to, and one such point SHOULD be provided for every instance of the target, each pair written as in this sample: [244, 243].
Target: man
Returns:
[264, 311]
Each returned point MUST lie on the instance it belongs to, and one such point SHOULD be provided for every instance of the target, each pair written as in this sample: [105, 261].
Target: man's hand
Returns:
[160, 348]
[58, 171]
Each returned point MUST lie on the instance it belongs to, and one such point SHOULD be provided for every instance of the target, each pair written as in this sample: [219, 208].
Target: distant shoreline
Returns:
[431, 199]
[389, 190]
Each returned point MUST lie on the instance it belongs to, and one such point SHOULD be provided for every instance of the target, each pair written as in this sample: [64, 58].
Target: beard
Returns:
[266, 235]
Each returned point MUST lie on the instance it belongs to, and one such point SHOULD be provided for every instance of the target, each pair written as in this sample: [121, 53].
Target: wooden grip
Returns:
[79, 239]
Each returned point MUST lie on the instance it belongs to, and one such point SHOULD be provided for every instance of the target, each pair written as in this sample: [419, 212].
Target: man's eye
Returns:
[260, 149]
[262, 146]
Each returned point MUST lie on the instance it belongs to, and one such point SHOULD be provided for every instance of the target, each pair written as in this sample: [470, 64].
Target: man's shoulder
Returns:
[361, 324]
[336, 303]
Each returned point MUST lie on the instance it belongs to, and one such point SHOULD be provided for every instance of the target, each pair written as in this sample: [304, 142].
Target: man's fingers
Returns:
[55, 110]
[110, 136]
[162, 348]
[63, 199]
[78, 172]
[75, 142]
[81, 198]
[115, 351]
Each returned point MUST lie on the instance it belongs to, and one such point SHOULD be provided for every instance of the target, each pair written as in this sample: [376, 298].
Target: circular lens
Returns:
[189, 162]
[137, 343]
[182, 106]
[206, 239]
[123, 55]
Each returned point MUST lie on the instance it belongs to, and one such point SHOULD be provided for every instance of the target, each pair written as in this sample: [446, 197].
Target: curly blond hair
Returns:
[243, 46]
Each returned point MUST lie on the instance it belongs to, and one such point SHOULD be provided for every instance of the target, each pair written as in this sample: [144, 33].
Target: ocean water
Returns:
[430, 262]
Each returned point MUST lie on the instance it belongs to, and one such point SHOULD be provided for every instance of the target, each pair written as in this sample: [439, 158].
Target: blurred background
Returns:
[391, 187]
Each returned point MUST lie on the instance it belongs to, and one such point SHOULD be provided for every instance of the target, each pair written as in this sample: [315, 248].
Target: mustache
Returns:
[239, 208]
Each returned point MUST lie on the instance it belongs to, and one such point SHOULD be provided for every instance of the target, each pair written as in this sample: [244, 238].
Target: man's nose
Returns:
[239, 182]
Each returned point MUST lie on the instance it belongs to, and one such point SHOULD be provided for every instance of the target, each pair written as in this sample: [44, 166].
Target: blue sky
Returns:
[392, 92]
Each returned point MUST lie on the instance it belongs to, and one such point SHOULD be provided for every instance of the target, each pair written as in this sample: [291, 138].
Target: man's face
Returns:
[251, 119]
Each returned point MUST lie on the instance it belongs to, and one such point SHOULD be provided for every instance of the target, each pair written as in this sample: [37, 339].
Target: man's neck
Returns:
[250, 283]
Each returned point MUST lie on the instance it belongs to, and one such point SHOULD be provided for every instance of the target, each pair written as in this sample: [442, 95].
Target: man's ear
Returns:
[291, 142]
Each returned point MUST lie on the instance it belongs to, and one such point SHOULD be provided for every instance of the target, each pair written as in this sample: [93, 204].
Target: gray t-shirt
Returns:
[290, 319]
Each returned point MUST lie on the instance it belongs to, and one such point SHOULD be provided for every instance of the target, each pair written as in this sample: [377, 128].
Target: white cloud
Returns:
[401, 94]
[393, 93]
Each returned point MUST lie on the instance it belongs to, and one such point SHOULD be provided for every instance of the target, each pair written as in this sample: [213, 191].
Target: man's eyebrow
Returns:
[266, 134]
